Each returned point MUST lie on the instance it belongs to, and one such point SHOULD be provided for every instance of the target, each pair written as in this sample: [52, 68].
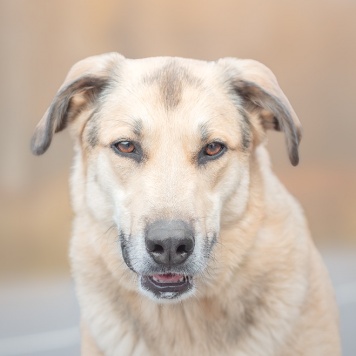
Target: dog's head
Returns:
[167, 145]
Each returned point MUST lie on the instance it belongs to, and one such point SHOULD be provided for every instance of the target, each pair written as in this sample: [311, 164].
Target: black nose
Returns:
[169, 243]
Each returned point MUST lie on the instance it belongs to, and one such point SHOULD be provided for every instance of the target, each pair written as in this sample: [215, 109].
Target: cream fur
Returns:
[263, 290]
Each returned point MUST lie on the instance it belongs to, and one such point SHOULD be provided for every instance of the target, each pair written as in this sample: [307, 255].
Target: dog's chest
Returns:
[195, 329]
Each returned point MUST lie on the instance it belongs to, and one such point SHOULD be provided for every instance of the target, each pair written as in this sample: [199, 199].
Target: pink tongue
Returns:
[168, 278]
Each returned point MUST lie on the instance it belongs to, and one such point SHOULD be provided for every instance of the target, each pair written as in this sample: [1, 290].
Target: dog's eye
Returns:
[213, 149]
[124, 146]
[129, 149]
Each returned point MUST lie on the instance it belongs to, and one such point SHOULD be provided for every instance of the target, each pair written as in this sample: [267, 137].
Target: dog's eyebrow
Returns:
[204, 132]
[245, 126]
[137, 127]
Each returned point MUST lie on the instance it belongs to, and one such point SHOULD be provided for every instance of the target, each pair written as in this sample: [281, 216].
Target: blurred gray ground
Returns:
[40, 317]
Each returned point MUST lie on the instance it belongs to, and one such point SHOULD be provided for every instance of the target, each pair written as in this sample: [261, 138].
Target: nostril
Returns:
[185, 247]
[157, 249]
[182, 249]
[154, 246]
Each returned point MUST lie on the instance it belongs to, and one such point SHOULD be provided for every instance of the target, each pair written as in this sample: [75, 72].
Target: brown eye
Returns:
[125, 146]
[128, 149]
[214, 148]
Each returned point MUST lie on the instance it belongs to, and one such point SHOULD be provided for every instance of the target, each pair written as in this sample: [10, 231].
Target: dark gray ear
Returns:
[63, 110]
[84, 82]
[259, 90]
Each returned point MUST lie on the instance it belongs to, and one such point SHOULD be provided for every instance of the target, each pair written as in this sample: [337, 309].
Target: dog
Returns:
[184, 241]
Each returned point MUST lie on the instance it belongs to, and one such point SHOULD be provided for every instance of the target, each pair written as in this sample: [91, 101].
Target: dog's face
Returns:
[166, 145]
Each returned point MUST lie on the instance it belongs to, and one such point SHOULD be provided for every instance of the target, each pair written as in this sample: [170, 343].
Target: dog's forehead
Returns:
[170, 80]
[178, 93]
[166, 77]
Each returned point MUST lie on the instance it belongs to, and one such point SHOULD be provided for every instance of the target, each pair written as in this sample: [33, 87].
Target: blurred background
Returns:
[309, 45]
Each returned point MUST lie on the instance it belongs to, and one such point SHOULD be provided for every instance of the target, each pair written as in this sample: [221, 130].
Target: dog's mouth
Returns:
[167, 286]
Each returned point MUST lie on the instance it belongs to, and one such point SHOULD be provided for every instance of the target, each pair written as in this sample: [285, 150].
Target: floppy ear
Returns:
[84, 82]
[259, 90]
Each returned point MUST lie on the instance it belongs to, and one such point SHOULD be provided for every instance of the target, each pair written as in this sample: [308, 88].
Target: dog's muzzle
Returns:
[169, 244]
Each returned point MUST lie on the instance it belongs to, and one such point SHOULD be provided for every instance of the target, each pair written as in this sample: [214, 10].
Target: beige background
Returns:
[310, 46]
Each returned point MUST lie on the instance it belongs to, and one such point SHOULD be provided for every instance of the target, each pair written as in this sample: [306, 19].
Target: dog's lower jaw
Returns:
[166, 291]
